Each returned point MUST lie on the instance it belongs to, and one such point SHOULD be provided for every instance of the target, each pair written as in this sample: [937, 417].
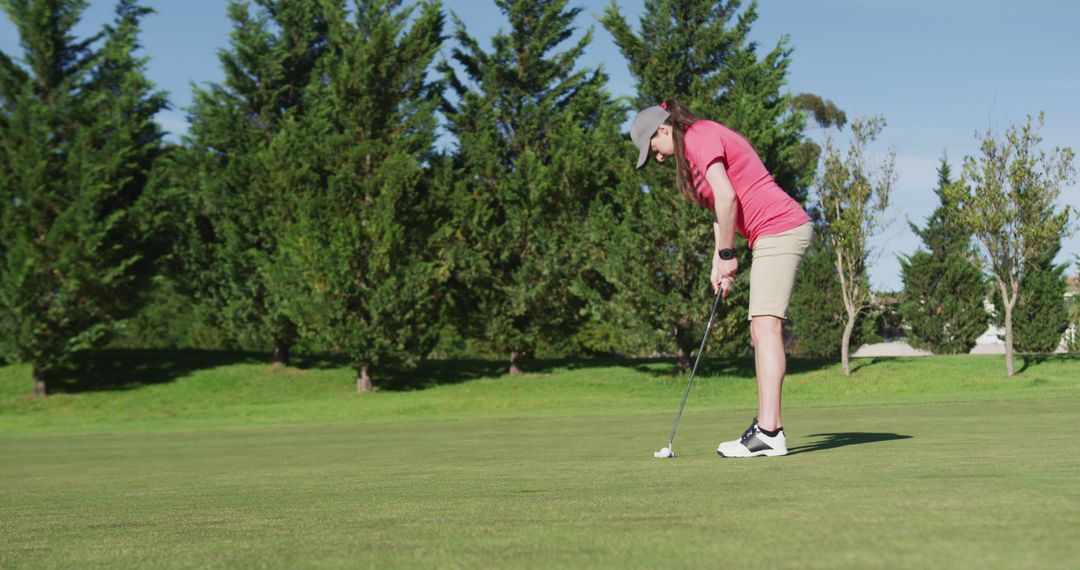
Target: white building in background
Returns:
[991, 341]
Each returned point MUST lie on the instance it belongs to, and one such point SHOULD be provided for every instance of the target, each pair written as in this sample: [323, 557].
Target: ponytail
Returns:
[680, 120]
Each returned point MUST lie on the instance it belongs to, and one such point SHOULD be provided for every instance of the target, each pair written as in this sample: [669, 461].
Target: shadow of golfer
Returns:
[833, 440]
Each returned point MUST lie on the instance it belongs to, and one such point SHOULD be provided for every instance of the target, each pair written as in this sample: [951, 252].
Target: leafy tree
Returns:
[943, 291]
[817, 309]
[824, 112]
[357, 265]
[853, 196]
[1006, 198]
[535, 136]
[79, 222]
[699, 52]
[1041, 315]
[236, 205]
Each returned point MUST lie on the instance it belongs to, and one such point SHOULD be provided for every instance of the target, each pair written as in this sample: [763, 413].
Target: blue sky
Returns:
[938, 70]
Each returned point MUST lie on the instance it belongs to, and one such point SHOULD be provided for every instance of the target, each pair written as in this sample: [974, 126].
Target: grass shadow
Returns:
[126, 369]
[739, 367]
[842, 439]
[432, 373]
[868, 361]
[1040, 358]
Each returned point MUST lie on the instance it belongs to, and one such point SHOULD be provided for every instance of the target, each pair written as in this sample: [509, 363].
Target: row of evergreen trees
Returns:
[308, 206]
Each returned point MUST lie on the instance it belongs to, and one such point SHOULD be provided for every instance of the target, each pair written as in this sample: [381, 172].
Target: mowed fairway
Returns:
[973, 477]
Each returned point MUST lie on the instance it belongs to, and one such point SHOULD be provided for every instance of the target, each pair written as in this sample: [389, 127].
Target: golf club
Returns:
[669, 451]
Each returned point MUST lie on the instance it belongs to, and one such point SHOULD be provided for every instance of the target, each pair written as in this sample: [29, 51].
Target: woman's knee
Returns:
[765, 326]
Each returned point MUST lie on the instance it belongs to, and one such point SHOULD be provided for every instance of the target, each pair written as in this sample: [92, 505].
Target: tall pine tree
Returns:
[78, 224]
[943, 291]
[535, 140]
[236, 204]
[699, 52]
[357, 257]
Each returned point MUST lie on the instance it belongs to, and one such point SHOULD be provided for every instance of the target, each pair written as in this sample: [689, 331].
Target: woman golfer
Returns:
[719, 169]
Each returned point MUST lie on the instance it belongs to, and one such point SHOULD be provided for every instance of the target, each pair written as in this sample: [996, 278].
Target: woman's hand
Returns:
[723, 274]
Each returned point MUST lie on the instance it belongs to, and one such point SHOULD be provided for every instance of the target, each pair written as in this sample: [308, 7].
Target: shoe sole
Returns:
[769, 453]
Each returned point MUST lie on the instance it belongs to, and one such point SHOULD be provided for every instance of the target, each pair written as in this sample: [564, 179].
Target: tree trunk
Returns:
[363, 379]
[845, 346]
[1008, 334]
[684, 347]
[282, 350]
[849, 306]
[517, 360]
[284, 338]
[40, 390]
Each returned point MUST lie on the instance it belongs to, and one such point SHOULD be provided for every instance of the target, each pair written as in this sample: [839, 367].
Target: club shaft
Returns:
[693, 371]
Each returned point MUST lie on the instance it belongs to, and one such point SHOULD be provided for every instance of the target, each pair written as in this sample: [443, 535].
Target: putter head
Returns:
[666, 453]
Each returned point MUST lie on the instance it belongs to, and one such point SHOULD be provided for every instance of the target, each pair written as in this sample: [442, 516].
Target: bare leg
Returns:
[771, 364]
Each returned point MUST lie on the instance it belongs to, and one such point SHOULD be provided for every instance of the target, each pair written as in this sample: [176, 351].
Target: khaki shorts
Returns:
[772, 273]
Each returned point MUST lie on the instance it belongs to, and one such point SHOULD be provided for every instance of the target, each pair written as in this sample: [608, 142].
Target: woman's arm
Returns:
[724, 207]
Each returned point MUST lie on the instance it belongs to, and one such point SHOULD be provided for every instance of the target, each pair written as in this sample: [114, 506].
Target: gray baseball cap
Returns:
[644, 127]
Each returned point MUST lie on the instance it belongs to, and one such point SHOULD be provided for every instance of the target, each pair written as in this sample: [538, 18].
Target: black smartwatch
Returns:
[726, 253]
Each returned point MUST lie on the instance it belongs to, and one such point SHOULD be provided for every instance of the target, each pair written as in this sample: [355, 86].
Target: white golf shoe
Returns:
[754, 443]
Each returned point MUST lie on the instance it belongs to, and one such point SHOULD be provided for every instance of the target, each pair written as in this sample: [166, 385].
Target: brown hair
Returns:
[680, 120]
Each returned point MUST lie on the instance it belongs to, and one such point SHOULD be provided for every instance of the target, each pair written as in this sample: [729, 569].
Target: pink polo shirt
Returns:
[763, 208]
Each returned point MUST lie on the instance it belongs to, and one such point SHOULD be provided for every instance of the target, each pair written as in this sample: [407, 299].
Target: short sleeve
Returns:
[704, 145]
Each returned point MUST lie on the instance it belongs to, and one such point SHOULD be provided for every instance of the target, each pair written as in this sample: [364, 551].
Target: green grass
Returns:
[199, 460]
